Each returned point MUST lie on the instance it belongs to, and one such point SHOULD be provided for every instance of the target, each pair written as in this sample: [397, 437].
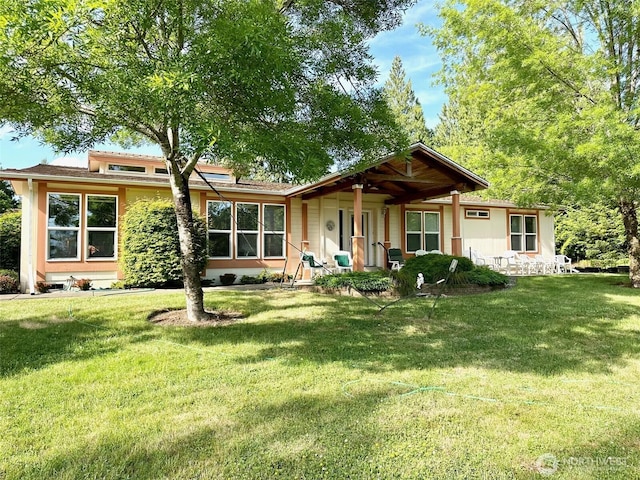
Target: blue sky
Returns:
[420, 61]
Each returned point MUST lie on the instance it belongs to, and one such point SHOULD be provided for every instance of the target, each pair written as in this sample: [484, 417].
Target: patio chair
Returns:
[479, 259]
[420, 253]
[514, 265]
[395, 258]
[309, 262]
[563, 264]
[545, 265]
[343, 261]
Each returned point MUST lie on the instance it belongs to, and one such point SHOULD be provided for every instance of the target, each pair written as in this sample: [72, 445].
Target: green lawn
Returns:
[314, 386]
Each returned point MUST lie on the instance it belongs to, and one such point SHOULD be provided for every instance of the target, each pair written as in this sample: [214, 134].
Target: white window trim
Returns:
[424, 228]
[477, 213]
[524, 234]
[77, 229]
[413, 232]
[100, 229]
[229, 232]
[282, 233]
[239, 233]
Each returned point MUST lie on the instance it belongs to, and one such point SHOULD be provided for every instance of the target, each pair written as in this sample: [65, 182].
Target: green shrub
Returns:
[365, 282]
[150, 244]
[436, 267]
[249, 280]
[10, 226]
[484, 276]
[9, 281]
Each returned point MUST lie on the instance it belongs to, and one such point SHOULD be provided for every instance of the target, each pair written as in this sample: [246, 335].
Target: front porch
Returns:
[364, 210]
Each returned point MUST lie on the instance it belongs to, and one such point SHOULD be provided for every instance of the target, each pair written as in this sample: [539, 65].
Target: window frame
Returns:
[524, 234]
[88, 229]
[122, 169]
[77, 229]
[241, 232]
[230, 231]
[423, 229]
[475, 213]
[266, 231]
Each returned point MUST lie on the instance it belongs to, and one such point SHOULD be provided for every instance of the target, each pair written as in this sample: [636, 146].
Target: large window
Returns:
[63, 226]
[102, 214]
[256, 230]
[422, 230]
[219, 228]
[523, 232]
[273, 235]
[248, 218]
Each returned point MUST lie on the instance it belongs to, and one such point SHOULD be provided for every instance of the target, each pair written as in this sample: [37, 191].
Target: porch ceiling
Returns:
[420, 175]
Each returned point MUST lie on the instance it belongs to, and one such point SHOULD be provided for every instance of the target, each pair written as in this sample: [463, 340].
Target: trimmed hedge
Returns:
[150, 245]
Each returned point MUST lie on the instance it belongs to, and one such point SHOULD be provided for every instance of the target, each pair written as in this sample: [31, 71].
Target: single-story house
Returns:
[421, 201]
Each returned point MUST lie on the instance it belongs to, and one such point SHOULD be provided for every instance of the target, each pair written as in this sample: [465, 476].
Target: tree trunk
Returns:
[630, 219]
[186, 234]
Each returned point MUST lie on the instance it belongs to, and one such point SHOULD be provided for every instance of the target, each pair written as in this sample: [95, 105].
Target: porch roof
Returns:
[420, 175]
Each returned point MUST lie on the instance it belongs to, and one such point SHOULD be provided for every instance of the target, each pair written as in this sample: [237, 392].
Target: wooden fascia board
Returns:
[380, 177]
[438, 192]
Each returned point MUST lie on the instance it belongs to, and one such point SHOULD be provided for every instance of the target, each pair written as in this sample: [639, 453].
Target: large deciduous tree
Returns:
[546, 94]
[285, 81]
[404, 104]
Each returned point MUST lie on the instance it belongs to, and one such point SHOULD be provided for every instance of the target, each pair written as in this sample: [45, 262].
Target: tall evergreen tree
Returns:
[8, 200]
[405, 106]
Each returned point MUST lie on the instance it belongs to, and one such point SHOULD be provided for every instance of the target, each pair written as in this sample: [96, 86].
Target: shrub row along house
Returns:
[71, 216]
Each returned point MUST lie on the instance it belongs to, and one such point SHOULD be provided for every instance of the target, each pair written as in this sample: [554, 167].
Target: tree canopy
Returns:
[544, 99]
[288, 83]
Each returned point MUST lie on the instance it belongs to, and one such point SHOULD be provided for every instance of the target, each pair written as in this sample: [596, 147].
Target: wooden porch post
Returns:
[456, 239]
[304, 244]
[358, 239]
[387, 236]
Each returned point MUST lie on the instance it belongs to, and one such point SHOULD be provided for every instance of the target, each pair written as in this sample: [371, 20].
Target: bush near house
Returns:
[436, 267]
[365, 282]
[10, 240]
[150, 244]
[9, 281]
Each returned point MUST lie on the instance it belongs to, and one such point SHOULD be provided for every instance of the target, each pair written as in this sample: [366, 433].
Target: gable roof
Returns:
[422, 174]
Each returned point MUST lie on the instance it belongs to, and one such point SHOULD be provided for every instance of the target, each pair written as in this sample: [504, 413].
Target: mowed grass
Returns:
[538, 379]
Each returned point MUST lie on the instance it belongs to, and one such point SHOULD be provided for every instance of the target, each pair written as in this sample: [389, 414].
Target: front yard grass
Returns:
[538, 379]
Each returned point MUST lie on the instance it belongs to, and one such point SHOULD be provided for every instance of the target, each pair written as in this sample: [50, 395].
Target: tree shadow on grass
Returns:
[545, 326]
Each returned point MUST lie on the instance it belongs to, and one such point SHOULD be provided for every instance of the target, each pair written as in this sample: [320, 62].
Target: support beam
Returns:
[357, 240]
[456, 239]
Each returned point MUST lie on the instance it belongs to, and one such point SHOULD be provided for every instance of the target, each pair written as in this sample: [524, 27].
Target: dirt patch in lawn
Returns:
[178, 318]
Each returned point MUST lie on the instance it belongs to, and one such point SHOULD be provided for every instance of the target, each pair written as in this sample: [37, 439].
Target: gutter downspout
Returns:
[31, 282]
